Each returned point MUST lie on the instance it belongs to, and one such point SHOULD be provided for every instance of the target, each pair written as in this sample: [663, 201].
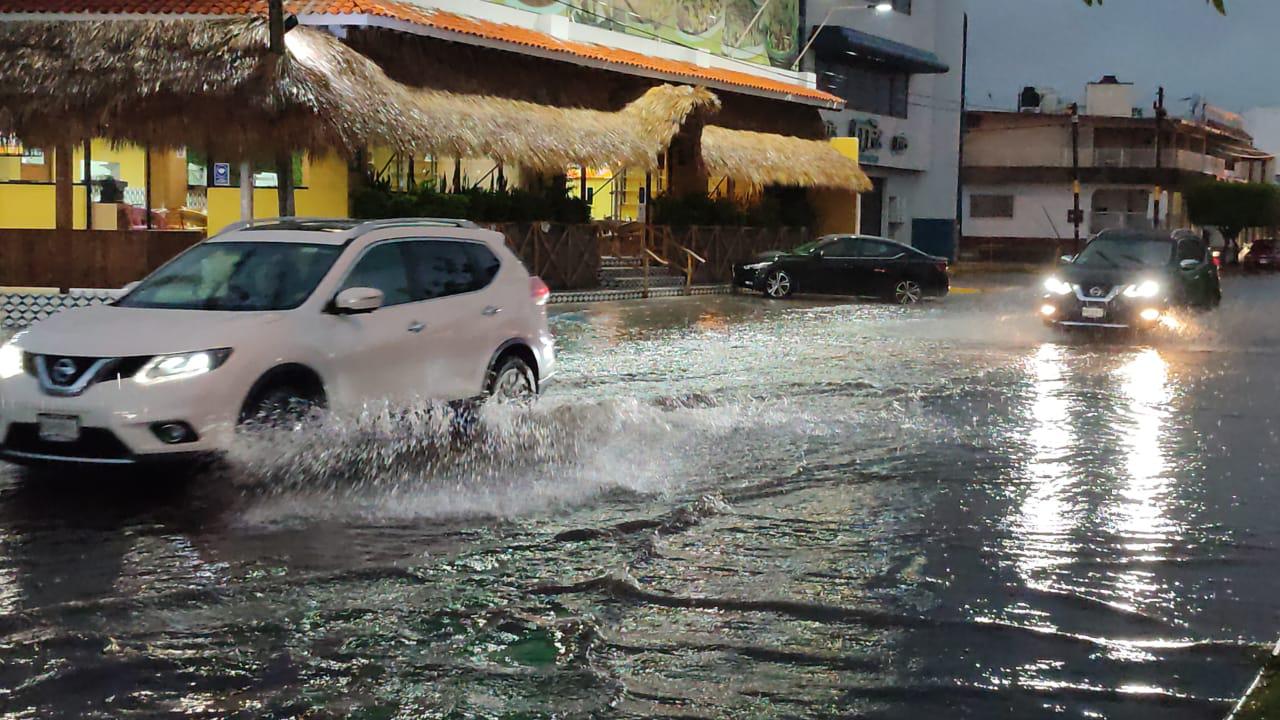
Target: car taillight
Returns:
[539, 291]
[942, 267]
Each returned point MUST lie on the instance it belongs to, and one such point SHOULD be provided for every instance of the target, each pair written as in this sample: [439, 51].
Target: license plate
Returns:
[59, 428]
[1093, 313]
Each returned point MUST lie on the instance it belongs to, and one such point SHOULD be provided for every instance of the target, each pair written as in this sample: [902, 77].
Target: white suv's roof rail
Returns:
[355, 227]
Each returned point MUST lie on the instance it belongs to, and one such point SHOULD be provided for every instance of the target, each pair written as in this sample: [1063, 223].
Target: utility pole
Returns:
[1076, 214]
[284, 160]
[1155, 220]
[964, 119]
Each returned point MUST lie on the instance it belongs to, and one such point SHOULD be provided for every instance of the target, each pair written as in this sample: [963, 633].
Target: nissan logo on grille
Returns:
[1097, 291]
[64, 371]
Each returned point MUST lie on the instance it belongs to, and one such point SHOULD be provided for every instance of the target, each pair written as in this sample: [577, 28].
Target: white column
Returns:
[246, 190]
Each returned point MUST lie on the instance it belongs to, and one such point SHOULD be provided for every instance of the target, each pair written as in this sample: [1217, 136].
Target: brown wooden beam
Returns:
[64, 189]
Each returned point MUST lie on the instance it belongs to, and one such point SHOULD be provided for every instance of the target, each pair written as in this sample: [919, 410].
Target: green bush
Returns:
[378, 200]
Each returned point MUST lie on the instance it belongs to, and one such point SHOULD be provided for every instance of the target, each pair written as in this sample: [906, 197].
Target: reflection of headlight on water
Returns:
[1170, 322]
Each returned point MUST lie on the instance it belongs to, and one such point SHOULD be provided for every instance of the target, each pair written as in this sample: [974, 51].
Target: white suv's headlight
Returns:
[163, 368]
[1147, 289]
[1057, 286]
[10, 361]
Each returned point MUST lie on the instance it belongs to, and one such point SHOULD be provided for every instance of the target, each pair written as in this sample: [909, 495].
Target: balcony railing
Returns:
[1090, 157]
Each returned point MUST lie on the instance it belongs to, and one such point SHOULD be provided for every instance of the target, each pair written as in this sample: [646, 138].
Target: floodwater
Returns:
[725, 507]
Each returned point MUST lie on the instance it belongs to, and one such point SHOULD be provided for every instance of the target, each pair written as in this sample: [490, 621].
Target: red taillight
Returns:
[538, 290]
[942, 267]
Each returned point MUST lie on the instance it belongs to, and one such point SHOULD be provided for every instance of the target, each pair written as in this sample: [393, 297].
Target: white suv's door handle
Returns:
[417, 327]
[491, 310]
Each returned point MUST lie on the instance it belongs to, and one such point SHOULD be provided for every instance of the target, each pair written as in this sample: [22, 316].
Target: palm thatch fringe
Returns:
[213, 84]
[766, 159]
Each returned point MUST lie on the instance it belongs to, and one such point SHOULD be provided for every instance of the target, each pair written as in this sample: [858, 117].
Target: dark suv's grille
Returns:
[94, 444]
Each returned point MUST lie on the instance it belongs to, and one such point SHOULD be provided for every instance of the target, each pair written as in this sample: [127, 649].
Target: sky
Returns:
[1185, 45]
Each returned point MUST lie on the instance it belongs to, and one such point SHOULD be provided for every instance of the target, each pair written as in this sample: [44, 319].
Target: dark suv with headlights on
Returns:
[1131, 279]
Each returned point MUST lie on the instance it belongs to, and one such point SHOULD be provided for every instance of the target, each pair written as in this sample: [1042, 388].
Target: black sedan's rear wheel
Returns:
[908, 292]
[777, 284]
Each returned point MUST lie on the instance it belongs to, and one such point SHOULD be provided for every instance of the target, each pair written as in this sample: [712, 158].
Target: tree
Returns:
[1232, 207]
[1219, 5]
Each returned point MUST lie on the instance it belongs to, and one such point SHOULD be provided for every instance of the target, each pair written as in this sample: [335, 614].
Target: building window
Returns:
[866, 86]
[902, 6]
[991, 206]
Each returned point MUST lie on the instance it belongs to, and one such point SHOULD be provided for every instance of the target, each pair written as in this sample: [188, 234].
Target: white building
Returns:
[900, 73]
[1264, 125]
[1018, 170]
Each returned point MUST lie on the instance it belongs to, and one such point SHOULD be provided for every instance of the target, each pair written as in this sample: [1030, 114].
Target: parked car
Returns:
[271, 316]
[848, 265]
[1128, 279]
[1263, 256]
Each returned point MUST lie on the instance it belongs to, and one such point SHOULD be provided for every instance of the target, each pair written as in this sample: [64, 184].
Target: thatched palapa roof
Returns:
[215, 85]
[768, 159]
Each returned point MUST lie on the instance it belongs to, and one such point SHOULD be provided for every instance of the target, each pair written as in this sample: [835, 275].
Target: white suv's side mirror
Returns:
[356, 300]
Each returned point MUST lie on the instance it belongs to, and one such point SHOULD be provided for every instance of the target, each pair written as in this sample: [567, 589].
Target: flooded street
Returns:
[724, 507]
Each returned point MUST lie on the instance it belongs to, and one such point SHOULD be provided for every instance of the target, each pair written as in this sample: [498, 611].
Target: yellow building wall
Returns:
[32, 206]
[324, 195]
[837, 210]
[131, 158]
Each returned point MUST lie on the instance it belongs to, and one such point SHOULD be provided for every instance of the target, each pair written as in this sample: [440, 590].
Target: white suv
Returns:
[273, 314]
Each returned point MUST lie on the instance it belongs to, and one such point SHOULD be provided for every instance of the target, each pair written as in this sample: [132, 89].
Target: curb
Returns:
[587, 296]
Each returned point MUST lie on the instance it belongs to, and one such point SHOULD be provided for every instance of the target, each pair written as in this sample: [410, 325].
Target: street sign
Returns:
[1075, 216]
[222, 174]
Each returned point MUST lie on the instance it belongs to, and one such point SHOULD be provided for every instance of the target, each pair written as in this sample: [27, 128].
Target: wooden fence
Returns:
[722, 247]
[567, 257]
[87, 258]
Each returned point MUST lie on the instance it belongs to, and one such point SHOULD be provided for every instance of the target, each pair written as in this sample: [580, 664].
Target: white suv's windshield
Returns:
[243, 276]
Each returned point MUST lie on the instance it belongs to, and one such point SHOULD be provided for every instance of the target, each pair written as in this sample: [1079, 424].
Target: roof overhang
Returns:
[702, 69]
[840, 42]
[446, 26]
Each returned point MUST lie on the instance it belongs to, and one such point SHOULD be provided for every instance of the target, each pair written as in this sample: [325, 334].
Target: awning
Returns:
[767, 159]
[836, 42]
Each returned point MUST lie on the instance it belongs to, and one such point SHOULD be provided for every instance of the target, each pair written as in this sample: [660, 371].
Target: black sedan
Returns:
[848, 265]
[1132, 280]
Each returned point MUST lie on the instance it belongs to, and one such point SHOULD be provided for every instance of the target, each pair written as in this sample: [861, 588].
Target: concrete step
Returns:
[609, 261]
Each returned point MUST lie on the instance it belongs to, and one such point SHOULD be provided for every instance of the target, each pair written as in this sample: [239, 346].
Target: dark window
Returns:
[443, 267]
[866, 85]
[487, 264]
[880, 249]
[991, 206]
[842, 248]
[383, 268]
[1191, 249]
[902, 6]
